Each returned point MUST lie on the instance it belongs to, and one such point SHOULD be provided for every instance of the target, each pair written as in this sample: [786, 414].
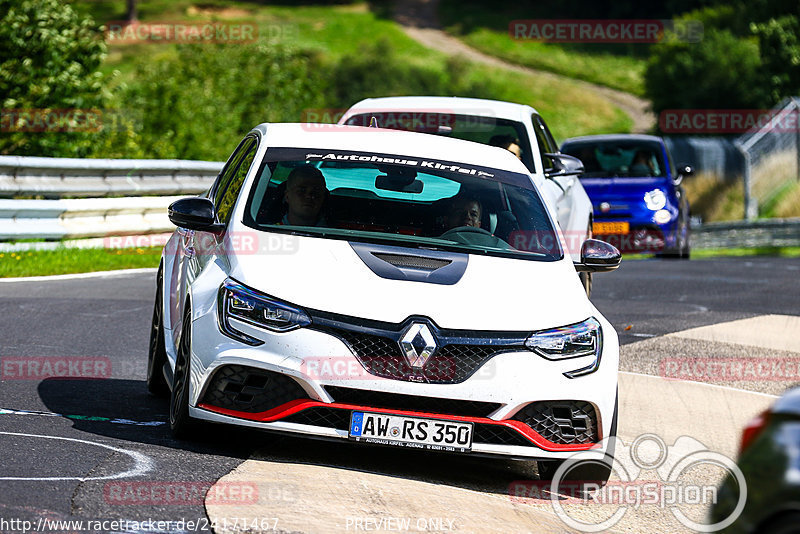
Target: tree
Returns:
[779, 47]
[720, 72]
[49, 60]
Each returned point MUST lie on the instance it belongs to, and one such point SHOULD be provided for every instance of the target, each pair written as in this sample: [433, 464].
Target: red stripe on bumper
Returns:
[298, 405]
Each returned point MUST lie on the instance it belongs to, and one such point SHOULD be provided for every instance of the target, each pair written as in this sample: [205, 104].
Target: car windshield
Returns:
[635, 159]
[401, 200]
[502, 133]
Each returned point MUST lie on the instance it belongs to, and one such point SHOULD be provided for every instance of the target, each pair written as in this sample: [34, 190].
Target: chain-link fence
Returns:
[772, 157]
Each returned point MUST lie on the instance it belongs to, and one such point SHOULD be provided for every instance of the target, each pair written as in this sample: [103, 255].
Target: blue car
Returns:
[639, 205]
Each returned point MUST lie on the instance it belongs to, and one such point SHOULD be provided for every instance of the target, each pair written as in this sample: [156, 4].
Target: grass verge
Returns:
[75, 260]
[339, 32]
[485, 27]
[785, 252]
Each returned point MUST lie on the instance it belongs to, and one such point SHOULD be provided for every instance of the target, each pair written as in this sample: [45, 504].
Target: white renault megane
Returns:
[383, 287]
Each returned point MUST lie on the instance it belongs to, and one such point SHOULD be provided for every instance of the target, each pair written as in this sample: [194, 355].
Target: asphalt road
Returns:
[62, 442]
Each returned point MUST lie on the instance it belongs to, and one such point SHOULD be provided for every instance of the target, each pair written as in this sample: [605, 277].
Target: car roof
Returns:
[614, 137]
[446, 104]
[385, 141]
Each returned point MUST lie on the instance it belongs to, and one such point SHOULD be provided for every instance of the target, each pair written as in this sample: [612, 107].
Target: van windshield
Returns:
[402, 201]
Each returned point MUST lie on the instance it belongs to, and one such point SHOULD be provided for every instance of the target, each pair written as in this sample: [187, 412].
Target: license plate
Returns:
[412, 432]
[616, 227]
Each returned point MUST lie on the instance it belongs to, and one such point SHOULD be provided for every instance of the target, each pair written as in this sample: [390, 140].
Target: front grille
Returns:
[413, 403]
[321, 416]
[498, 435]
[251, 390]
[562, 422]
[450, 364]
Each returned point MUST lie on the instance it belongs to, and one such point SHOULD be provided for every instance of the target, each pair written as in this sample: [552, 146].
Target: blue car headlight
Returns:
[655, 199]
[567, 342]
[249, 306]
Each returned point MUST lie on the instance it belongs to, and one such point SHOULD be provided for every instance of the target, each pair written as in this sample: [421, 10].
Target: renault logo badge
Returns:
[418, 344]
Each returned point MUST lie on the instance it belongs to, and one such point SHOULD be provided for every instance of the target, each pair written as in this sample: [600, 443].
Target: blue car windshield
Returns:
[402, 201]
[634, 159]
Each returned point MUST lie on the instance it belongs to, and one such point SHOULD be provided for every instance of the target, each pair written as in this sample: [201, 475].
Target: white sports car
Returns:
[383, 287]
[514, 127]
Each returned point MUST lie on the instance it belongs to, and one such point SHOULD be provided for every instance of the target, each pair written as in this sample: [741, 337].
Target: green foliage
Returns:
[720, 72]
[779, 42]
[49, 60]
[198, 104]
[377, 70]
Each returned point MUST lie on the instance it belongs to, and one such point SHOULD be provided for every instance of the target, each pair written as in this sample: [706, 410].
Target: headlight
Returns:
[662, 217]
[573, 341]
[655, 199]
[247, 305]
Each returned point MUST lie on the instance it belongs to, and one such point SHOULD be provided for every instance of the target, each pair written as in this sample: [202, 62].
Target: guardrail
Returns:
[83, 217]
[747, 234]
[74, 177]
[71, 218]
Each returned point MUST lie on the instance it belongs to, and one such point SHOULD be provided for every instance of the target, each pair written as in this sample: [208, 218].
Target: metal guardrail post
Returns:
[750, 204]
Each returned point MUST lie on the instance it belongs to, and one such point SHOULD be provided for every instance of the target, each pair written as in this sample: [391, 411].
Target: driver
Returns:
[465, 211]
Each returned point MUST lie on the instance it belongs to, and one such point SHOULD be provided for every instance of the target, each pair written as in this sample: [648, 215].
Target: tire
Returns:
[586, 281]
[595, 471]
[181, 425]
[157, 356]
[586, 278]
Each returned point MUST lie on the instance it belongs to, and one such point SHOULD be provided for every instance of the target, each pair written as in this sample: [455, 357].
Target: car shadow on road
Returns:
[123, 409]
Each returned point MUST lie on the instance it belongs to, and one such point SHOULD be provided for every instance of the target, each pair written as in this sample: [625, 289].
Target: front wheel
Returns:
[180, 423]
[157, 357]
[586, 278]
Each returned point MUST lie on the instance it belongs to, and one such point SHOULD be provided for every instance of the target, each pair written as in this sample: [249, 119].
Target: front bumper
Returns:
[521, 405]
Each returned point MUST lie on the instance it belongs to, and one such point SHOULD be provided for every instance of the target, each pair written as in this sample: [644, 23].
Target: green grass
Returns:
[74, 260]
[486, 29]
[337, 31]
[786, 252]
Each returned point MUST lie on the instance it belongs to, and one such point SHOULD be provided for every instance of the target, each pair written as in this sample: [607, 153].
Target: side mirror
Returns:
[598, 257]
[563, 165]
[194, 213]
[683, 171]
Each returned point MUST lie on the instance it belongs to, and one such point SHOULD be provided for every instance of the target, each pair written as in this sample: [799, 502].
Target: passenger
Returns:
[464, 211]
[306, 193]
[642, 164]
[508, 142]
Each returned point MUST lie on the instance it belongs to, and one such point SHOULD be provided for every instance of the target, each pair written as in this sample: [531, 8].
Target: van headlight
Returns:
[249, 306]
[567, 342]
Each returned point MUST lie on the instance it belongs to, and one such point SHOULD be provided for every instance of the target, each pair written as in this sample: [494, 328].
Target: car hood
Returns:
[493, 293]
[627, 189]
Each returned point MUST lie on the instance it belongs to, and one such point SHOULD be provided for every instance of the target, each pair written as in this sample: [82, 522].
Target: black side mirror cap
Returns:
[563, 165]
[194, 213]
[683, 171]
[598, 257]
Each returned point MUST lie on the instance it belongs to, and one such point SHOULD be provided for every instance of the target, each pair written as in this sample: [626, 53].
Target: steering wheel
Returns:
[465, 230]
